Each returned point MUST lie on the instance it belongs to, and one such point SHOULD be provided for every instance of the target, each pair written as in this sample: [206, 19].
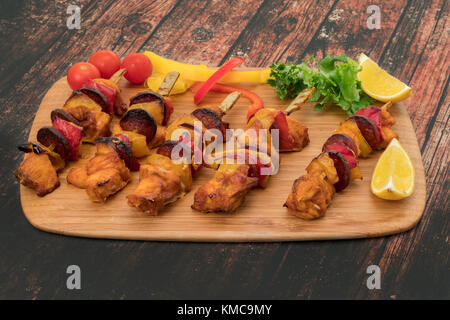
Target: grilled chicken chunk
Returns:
[37, 172]
[226, 191]
[157, 186]
[104, 175]
[95, 123]
[310, 195]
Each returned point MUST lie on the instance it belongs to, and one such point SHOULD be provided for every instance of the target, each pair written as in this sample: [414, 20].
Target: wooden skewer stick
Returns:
[300, 100]
[168, 83]
[117, 75]
[229, 101]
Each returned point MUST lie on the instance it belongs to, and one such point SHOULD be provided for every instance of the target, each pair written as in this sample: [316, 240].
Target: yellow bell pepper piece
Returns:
[154, 82]
[201, 72]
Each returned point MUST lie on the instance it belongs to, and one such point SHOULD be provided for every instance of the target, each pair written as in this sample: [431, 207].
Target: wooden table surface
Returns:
[38, 48]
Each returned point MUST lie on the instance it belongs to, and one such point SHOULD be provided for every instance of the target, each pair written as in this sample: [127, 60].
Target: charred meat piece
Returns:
[342, 138]
[98, 97]
[104, 175]
[123, 149]
[63, 114]
[226, 191]
[156, 188]
[368, 129]
[88, 114]
[140, 121]
[148, 97]
[210, 119]
[37, 172]
[342, 168]
[299, 133]
[310, 196]
[54, 140]
[104, 183]
[345, 151]
[57, 161]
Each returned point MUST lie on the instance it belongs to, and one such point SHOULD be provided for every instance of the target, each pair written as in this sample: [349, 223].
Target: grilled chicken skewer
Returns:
[92, 106]
[337, 165]
[226, 191]
[163, 179]
[149, 112]
[108, 171]
[85, 115]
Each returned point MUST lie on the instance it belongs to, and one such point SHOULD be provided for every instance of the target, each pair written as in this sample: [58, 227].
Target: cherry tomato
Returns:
[138, 66]
[81, 72]
[106, 61]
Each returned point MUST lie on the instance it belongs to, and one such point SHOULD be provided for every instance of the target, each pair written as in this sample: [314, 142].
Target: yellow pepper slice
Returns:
[154, 82]
[201, 72]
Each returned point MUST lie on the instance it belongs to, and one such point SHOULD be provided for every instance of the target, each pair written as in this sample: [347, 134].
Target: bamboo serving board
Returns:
[353, 213]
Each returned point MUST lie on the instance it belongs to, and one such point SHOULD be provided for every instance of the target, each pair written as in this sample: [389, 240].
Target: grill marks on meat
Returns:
[104, 175]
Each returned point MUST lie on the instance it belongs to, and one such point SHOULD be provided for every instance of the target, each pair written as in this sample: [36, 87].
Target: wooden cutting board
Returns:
[353, 213]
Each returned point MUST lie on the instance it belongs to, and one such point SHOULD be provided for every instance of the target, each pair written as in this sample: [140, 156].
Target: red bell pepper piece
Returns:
[72, 133]
[255, 168]
[345, 151]
[286, 139]
[257, 102]
[169, 111]
[108, 92]
[374, 114]
[223, 70]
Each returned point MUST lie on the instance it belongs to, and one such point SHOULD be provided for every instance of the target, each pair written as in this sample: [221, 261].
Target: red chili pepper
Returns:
[286, 139]
[223, 70]
[257, 102]
[108, 92]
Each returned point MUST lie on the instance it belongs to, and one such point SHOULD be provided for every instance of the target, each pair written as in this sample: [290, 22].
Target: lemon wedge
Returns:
[393, 178]
[379, 84]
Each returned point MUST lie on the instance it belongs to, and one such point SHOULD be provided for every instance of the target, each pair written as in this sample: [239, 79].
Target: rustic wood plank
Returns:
[345, 29]
[280, 31]
[202, 32]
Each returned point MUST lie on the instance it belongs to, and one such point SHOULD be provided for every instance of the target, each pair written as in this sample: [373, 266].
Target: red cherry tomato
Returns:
[106, 61]
[138, 66]
[81, 72]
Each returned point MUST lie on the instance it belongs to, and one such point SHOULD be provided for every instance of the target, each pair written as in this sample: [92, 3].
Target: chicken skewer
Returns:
[164, 179]
[337, 165]
[149, 112]
[92, 106]
[108, 171]
[85, 115]
[226, 191]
